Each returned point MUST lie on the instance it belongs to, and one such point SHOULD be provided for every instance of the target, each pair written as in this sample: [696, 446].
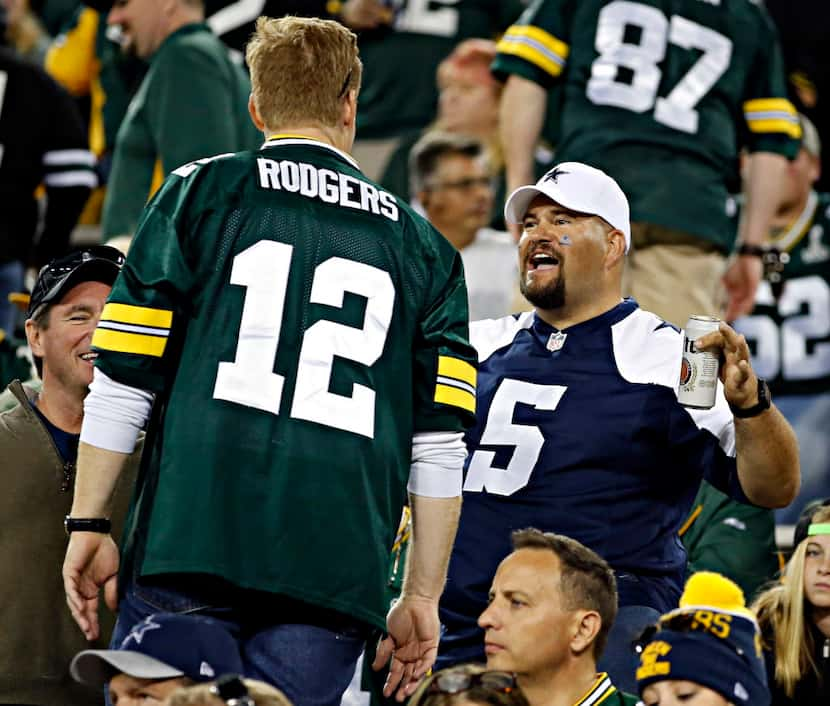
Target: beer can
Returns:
[698, 369]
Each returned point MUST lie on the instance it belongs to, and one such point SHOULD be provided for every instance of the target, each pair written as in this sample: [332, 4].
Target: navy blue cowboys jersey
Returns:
[580, 432]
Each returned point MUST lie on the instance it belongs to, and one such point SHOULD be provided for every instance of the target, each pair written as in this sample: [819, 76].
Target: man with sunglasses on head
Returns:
[551, 606]
[38, 448]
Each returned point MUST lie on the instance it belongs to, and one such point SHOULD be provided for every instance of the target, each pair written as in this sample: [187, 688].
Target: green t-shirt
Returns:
[192, 103]
[790, 338]
[660, 94]
[299, 325]
[399, 94]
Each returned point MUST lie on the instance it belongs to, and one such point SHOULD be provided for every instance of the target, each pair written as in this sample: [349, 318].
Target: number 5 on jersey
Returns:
[250, 379]
[500, 430]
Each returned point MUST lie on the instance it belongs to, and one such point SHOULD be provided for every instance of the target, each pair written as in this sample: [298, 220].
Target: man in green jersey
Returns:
[660, 94]
[190, 104]
[789, 328]
[304, 333]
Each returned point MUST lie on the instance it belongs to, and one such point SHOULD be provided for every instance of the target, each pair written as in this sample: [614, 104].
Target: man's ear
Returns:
[254, 113]
[616, 248]
[586, 626]
[33, 337]
[423, 198]
[349, 112]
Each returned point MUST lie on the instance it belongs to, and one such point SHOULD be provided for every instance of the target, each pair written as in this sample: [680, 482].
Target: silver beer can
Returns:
[698, 369]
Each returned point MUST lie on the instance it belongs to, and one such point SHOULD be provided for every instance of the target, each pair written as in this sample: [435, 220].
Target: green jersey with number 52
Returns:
[660, 94]
[790, 337]
[299, 325]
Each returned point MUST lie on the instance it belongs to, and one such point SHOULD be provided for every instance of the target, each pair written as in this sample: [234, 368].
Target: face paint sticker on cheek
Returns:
[565, 240]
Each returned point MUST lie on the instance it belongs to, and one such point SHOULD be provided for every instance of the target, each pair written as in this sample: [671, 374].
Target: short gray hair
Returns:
[431, 148]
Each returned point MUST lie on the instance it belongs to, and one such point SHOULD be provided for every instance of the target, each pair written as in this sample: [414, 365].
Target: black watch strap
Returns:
[87, 524]
[764, 402]
[752, 250]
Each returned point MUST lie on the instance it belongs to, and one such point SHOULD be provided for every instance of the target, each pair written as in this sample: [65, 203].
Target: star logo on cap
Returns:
[138, 631]
[554, 174]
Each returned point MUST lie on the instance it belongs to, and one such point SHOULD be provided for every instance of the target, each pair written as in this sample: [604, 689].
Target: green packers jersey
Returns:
[299, 324]
[399, 93]
[660, 94]
[790, 337]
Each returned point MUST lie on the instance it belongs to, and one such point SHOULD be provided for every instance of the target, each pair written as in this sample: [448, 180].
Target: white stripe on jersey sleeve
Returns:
[72, 178]
[61, 158]
[489, 335]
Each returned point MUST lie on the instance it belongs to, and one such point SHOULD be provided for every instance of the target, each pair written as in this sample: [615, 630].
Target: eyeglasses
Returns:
[454, 682]
[345, 86]
[704, 621]
[232, 690]
[463, 184]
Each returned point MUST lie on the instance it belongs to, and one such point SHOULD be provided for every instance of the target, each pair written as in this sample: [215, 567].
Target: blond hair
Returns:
[783, 610]
[301, 68]
[201, 695]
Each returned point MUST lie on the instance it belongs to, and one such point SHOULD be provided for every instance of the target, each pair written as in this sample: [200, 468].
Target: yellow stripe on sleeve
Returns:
[767, 125]
[457, 369]
[536, 46]
[767, 104]
[137, 315]
[123, 342]
[444, 394]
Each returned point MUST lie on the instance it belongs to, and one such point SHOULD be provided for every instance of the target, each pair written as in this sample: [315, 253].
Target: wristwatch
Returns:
[87, 524]
[764, 402]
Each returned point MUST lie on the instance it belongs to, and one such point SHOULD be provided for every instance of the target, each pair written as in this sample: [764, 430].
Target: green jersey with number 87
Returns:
[299, 325]
[660, 94]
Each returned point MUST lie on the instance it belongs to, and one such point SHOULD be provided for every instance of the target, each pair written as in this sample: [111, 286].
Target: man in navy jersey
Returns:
[579, 430]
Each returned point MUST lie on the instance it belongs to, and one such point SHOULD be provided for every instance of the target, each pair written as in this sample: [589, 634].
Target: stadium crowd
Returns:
[342, 346]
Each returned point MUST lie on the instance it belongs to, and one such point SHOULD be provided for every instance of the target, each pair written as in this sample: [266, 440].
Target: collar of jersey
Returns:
[787, 240]
[292, 139]
[600, 690]
[605, 320]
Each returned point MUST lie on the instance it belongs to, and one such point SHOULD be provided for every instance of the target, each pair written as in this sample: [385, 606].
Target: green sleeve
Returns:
[445, 362]
[138, 336]
[536, 47]
[771, 119]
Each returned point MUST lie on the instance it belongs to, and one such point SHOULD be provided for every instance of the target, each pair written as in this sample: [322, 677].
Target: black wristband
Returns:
[764, 402]
[87, 524]
[752, 250]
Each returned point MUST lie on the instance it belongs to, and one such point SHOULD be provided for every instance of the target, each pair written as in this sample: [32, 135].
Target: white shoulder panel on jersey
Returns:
[489, 335]
[649, 351]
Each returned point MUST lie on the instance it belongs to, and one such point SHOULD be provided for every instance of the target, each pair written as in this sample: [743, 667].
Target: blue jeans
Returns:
[11, 280]
[308, 652]
[619, 658]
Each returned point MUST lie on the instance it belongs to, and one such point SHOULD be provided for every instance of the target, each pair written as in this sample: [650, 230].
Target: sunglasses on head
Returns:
[232, 690]
[69, 262]
[456, 682]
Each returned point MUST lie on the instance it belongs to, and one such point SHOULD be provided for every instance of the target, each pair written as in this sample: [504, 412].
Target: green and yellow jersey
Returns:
[660, 94]
[299, 324]
[789, 337]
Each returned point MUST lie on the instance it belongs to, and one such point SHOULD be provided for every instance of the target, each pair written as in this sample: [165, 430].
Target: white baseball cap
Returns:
[577, 187]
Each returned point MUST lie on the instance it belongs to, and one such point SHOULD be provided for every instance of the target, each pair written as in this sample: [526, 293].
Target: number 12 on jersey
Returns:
[263, 269]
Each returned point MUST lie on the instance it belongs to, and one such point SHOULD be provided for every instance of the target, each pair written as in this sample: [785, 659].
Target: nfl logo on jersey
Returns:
[556, 341]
